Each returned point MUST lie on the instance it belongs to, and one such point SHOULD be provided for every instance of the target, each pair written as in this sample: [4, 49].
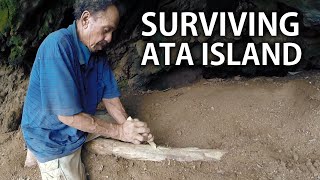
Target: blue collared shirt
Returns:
[66, 79]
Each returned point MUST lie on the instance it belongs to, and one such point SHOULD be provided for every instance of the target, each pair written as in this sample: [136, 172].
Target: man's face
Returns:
[99, 28]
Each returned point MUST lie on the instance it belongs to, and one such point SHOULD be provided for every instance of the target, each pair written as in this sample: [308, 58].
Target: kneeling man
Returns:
[70, 76]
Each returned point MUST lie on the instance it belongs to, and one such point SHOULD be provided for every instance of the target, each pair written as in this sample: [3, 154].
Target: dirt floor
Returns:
[269, 126]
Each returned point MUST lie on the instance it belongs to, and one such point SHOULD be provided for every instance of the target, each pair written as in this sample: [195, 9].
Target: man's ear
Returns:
[85, 19]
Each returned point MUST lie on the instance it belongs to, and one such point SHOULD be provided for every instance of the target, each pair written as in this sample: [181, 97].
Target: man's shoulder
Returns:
[61, 37]
[57, 45]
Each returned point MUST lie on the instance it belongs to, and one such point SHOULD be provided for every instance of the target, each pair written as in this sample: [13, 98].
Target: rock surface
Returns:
[12, 91]
[24, 24]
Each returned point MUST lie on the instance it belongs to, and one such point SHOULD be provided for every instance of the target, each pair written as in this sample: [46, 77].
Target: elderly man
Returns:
[68, 79]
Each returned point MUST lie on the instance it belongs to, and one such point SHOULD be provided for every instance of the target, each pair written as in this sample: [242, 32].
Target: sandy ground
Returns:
[269, 126]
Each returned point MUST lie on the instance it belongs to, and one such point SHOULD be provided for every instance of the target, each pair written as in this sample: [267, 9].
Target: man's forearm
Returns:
[90, 124]
[116, 109]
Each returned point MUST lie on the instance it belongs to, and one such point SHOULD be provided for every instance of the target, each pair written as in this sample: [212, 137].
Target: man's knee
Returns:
[69, 167]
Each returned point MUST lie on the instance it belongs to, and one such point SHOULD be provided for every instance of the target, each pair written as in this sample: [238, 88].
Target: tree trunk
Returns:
[147, 153]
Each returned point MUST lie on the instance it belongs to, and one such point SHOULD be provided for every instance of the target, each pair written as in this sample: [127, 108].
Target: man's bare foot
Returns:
[31, 161]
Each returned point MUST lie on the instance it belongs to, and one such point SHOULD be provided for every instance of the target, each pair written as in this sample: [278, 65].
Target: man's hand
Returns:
[135, 132]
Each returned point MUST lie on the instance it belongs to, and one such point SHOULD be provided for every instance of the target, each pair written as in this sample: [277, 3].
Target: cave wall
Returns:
[127, 53]
[24, 24]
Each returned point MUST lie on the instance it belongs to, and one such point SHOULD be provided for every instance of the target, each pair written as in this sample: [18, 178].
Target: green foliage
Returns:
[45, 29]
[17, 50]
[8, 14]
[4, 15]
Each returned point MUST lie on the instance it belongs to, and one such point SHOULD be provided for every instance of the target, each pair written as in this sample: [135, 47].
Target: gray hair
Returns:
[93, 6]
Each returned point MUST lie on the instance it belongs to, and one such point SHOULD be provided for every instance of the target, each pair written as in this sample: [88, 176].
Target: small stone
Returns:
[277, 178]
[316, 164]
[237, 78]
[291, 171]
[295, 157]
[100, 168]
[269, 79]
[179, 133]
[220, 172]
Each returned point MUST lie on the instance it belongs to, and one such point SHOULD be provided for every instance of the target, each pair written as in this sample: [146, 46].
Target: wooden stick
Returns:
[147, 153]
